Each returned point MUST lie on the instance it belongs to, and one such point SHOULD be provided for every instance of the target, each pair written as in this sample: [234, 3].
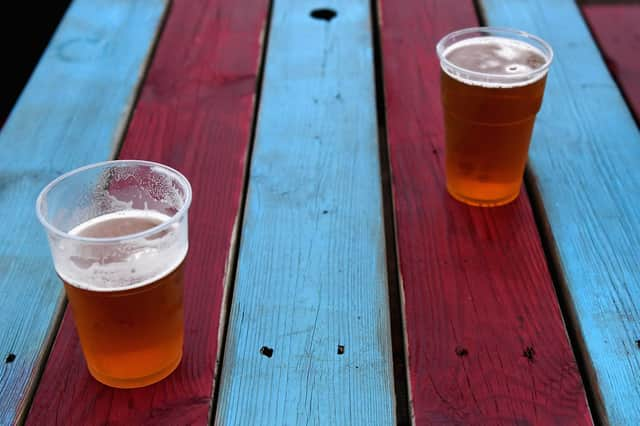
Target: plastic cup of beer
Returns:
[491, 84]
[118, 237]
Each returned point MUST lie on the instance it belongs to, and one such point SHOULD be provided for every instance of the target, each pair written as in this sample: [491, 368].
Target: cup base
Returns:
[136, 382]
[483, 203]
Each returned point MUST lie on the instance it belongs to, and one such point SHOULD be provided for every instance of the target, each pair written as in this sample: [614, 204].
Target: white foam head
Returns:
[97, 265]
[116, 225]
[494, 57]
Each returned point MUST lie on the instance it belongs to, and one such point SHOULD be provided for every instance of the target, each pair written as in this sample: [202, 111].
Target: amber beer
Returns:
[492, 83]
[130, 337]
[118, 237]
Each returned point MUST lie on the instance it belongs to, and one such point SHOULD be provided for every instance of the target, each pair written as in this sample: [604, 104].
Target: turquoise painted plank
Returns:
[584, 168]
[311, 278]
[72, 112]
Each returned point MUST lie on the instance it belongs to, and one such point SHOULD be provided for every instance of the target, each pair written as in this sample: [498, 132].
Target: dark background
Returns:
[27, 28]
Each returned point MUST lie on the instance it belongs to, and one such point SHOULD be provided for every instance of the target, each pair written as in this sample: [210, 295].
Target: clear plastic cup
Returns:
[118, 236]
[492, 83]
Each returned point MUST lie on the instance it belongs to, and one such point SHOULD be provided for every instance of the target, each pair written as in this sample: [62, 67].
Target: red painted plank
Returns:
[486, 343]
[616, 28]
[195, 113]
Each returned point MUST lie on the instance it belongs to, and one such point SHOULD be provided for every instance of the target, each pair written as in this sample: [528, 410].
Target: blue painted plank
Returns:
[72, 112]
[311, 272]
[584, 170]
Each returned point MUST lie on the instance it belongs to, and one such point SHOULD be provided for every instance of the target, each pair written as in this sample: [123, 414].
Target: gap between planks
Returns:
[561, 289]
[117, 146]
[397, 316]
[236, 236]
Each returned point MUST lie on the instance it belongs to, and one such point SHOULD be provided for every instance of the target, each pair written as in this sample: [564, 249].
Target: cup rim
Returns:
[505, 32]
[40, 202]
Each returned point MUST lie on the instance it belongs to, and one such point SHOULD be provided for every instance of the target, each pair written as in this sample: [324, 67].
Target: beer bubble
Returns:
[82, 262]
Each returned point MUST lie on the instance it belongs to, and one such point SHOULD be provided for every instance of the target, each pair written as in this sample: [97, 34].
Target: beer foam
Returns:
[99, 265]
[494, 62]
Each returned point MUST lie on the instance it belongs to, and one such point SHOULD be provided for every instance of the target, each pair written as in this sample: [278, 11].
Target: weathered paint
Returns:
[616, 29]
[584, 169]
[195, 113]
[71, 113]
[311, 271]
[486, 343]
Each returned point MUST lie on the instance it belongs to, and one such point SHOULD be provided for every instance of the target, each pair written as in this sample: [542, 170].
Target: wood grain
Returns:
[616, 28]
[309, 340]
[486, 343]
[584, 169]
[72, 112]
[195, 113]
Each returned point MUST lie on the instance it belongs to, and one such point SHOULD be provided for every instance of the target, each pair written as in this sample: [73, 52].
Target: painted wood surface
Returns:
[584, 169]
[616, 28]
[309, 336]
[195, 113]
[72, 112]
[485, 338]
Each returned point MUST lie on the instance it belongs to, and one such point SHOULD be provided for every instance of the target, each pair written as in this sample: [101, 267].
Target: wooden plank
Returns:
[190, 100]
[195, 113]
[72, 112]
[485, 338]
[616, 29]
[309, 338]
[584, 169]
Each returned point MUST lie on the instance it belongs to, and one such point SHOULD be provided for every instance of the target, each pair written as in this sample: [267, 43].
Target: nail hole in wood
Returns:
[10, 358]
[638, 343]
[266, 351]
[529, 353]
[340, 349]
[324, 14]
[325, 211]
[460, 351]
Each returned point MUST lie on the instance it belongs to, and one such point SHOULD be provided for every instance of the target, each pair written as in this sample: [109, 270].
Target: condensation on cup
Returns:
[118, 235]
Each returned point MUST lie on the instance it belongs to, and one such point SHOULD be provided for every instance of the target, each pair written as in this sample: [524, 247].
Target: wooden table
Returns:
[331, 279]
